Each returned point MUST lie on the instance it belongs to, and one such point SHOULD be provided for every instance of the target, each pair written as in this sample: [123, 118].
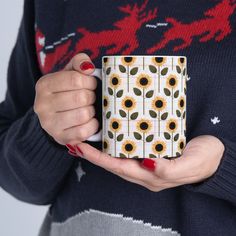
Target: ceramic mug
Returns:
[144, 106]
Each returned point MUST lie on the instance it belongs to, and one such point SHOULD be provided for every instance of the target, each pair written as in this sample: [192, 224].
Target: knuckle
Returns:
[76, 98]
[83, 133]
[76, 81]
[85, 114]
[164, 173]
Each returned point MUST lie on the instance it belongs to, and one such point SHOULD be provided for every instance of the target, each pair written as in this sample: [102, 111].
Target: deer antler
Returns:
[143, 6]
[126, 9]
[149, 16]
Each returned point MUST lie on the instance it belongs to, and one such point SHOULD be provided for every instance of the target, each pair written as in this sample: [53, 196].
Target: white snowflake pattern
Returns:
[80, 172]
[215, 120]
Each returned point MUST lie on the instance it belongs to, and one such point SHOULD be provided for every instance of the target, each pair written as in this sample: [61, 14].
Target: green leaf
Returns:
[184, 71]
[164, 71]
[149, 94]
[122, 113]
[178, 154]
[164, 116]
[120, 137]
[119, 93]
[134, 71]
[110, 134]
[135, 157]
[166, 157]
[122, 69]
[110, 91]
[108, 115]
[137, 91]
[176, 94]
[108, 71]
[149, 138]
[152, 156]
[185, 91]
[167, 92]
[178, 69]
[122, 155]
[137, 135]
[153, 69]
[167, 135]
[178, 113]
[176, 137]
[153, 114]
[134, 116]
[184, 114]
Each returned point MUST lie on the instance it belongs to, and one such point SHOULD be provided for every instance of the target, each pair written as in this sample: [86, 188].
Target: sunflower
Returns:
[171, 81]
[105, 144]
[159, 104]
[128, 61]
[159, 61]
[159, 147]
[144, 125]
[143, 81]
[172, 125]
[105, 60]
[115, 125]
[115, 80]
[181, 145]
[128, 103]
[181, 103]
[105, 102]
[129, 147]
[182, 61]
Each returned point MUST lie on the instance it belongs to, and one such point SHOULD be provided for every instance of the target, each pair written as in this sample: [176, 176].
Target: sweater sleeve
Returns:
[222, 184]
[32, 166]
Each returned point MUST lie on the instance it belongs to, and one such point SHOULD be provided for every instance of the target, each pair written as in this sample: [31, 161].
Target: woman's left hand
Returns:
[200, 160]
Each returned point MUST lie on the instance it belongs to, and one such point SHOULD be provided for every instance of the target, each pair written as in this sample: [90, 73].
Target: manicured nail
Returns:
[149, 164]
[79, 151]
[73, 154]
[70, 147]
[86, 65]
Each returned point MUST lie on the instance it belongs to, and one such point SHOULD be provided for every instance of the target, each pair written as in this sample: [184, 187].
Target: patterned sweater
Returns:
[85, 199]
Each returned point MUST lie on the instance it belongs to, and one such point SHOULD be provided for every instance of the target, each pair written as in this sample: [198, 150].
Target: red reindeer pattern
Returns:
[123, 38]
[215, 25]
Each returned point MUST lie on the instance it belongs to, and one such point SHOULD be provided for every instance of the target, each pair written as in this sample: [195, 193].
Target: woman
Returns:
[51, 102]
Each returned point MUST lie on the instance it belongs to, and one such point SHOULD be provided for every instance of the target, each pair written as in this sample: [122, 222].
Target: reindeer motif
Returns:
[216, 26]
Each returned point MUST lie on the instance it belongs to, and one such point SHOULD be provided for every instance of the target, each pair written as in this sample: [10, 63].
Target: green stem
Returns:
[181, 80]
[172, 144]
[143, 145]
[115, 100]
[115, 144]
[172, 101]
[128, 122]
[172, 63]
[159, 79]
[181, 124]
[114, 63]
[128, 78]
[143, 63]
[143, 102]
[159, 127]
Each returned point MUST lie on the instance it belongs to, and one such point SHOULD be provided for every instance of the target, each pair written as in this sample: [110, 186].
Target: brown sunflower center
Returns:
[181, 145]
[128, 103]
[143, 125]
[129, 147]
[172, 81]
[143, 81]
[159, 147]
[159, 59]
[128, 59]
[105, 145]
[115, 125]
[105, 102]
[159, 104]
[181, 103]
[115, 81]
[181, 60]
[172, 125]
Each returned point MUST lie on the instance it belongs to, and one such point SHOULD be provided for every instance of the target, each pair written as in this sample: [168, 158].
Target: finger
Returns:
[125, 167]
[75, 117]
[68, 80]
[81, 63]
[80, 133]
[72, 100]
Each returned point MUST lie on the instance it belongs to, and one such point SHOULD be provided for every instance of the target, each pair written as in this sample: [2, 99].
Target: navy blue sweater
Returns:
[86, 199]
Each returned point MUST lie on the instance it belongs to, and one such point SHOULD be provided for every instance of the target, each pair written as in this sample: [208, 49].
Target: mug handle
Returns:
[98, 136]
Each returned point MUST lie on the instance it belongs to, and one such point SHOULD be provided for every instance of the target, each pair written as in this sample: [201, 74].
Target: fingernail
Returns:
[79, 151]
[149, 164]
[70, 147]
[73, 154]
[86, 65]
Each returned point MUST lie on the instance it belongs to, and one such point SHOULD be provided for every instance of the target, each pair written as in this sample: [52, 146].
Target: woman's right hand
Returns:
[64, 102]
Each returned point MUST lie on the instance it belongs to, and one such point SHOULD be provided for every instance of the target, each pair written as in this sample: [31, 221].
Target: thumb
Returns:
[81, 63]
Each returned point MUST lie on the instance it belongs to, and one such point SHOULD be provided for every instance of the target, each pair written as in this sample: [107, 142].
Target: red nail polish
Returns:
[79, 150]
[86, 65]
[70, 147]
[73, 154]
[149, 164]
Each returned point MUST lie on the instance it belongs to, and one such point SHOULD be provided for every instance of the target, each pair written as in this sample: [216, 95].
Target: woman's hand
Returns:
[200, 160]
[64, 102]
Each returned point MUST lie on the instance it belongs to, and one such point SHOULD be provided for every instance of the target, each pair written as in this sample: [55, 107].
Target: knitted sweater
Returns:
[85, 199]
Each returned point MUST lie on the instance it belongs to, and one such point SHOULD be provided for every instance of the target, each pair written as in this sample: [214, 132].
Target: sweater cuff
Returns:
[223, 183]
[40, 153]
